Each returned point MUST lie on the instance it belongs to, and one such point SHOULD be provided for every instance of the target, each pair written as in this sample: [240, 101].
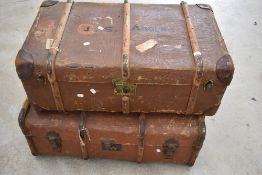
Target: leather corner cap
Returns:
[24, 64]
[48, 3]
[225, 69]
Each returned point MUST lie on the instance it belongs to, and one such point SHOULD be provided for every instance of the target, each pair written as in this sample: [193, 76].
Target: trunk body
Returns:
[88, 65]
[133, 137]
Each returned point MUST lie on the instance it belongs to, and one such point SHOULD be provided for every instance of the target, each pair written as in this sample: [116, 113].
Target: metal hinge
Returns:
[122, 87]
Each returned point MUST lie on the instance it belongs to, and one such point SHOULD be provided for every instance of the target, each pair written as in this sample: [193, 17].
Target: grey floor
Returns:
[233, 143]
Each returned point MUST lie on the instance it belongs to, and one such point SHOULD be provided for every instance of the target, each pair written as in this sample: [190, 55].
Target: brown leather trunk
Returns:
[93, 64]
[133, 137]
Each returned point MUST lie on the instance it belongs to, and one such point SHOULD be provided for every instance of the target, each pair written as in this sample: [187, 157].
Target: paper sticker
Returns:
[146, 45]
[93, 91]
[86, 43]
[80, 95]
[49, 43]
[100, 28]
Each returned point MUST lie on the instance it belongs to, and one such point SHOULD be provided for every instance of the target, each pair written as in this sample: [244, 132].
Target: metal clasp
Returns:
[122, 87]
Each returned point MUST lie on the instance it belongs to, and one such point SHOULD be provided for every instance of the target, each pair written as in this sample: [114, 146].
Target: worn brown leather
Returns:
[134, 137]
[163, 74]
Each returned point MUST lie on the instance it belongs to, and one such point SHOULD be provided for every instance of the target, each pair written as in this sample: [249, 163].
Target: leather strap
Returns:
[125, 105]
[125, 53]
[140, 151]
[83, 133]
[54, 49]
[197, 59]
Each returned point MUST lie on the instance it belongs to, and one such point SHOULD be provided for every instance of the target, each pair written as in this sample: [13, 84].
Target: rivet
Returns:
[208, 85]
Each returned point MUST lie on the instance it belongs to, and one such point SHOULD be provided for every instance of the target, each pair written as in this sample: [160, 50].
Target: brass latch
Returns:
[122, 87]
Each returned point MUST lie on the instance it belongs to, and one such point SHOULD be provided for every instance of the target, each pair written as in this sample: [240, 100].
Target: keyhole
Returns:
[86, 28]
[126, 90]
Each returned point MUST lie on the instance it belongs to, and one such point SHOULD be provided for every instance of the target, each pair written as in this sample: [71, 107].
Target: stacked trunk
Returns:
[122, 81]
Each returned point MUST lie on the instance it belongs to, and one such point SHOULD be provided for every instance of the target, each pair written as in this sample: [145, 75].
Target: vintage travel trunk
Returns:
[125, 58]
[135, 137]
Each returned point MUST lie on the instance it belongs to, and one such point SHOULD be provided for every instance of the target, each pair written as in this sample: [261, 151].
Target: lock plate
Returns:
[110, 145]
[169, 148]
[54, 140]
[122, 87]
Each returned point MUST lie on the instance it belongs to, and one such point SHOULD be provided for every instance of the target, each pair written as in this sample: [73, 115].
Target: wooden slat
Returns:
[197, 59]
[52, 57]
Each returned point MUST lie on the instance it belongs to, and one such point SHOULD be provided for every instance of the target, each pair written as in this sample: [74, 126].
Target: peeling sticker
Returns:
[146, 45]
[178, 46]
[100, 28]
[170, 47]
[93, 91]
[158, 150]
[111, 19]
[197, 53]
[86, 43]
[80, 95]
[49, 43]
[107, 17]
